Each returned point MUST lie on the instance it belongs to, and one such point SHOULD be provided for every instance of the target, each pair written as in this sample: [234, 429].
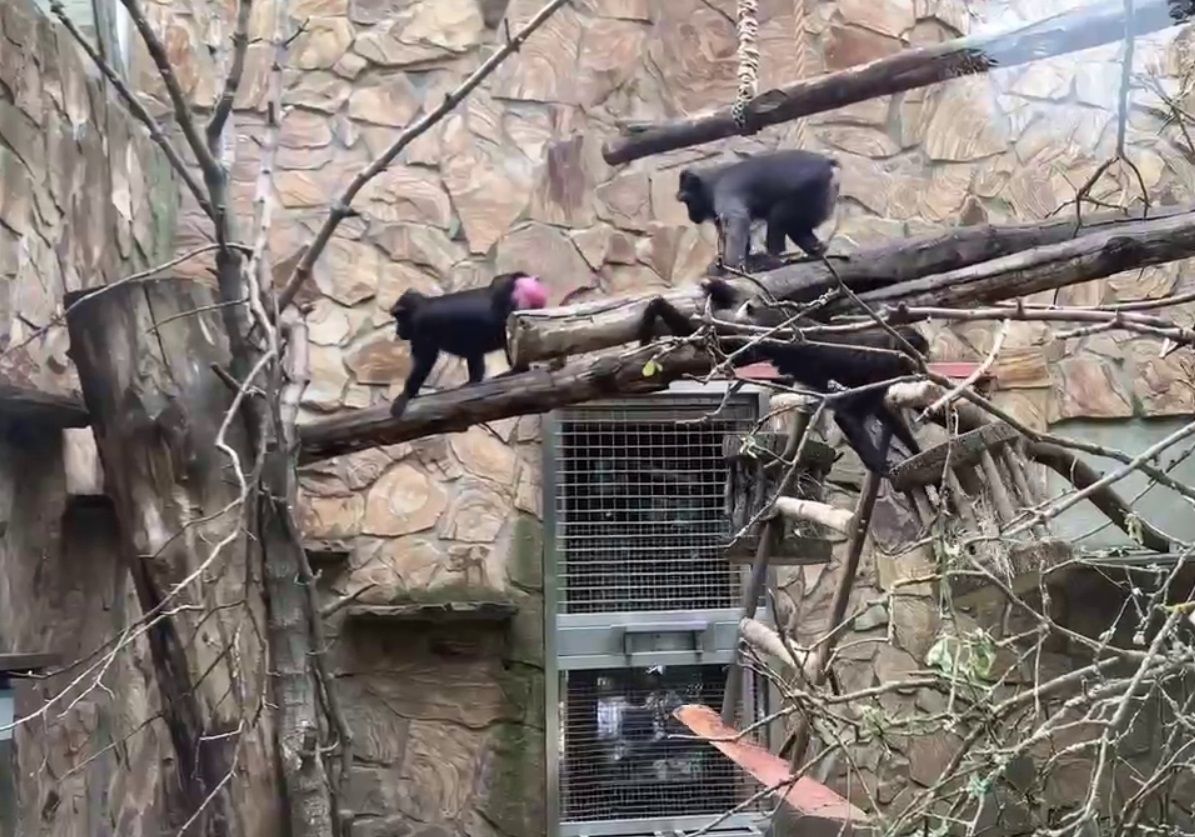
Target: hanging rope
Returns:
[748, 26]
[803, 63]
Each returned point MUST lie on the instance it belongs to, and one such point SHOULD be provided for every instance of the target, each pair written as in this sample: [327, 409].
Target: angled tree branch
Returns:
[136, 109]
[341, 207]
[1071, 31]
[240, 46]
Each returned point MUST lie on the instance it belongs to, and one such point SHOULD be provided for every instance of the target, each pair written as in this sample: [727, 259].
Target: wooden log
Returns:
[840, 520]
[1064, 33]
[144, 353]
[1092, 256]
[821, 811]
[927, 466]
[41, 409]
[996, 487]
[554, 332]
[535, 391]
[766, 642]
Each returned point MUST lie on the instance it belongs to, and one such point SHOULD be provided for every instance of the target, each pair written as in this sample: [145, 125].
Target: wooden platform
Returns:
[17, 665]
[927, 467]
[1030, 562]
[433, 612]
[25, 404]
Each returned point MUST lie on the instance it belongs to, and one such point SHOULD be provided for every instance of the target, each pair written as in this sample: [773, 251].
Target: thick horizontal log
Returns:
[42, 409]
[1095, 255]
[1058, 35]
[554, 332]
[529, 393]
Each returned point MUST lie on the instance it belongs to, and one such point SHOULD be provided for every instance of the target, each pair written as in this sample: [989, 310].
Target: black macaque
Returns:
[794, 191]
[467, 324]
[814, 364]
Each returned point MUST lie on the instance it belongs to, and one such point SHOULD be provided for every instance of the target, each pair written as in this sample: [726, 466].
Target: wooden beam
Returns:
[45, 409]
[1064, 33]
[590, 326]
[529, 393]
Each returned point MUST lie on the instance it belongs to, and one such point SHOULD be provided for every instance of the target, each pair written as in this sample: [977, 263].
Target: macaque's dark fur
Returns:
[793, 191]
[468, 324]
[847, 361]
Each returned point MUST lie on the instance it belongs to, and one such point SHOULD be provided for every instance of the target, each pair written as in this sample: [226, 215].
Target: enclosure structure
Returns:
[448, 712]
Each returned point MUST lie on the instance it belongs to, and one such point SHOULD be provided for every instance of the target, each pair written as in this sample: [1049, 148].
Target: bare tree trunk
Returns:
[143, 354]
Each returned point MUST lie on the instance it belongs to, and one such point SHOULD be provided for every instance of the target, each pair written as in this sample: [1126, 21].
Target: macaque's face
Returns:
[529, 292]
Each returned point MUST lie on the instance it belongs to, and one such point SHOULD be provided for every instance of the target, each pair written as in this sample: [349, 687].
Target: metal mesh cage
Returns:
[640, 505]
[617, 759]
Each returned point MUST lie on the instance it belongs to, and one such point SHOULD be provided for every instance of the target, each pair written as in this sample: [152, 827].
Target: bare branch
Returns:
[341, 208]
[136, 109]
[182, 111]
[240, 46]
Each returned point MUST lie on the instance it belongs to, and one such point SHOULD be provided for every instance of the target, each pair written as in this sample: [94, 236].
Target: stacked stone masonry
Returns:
[449, 725]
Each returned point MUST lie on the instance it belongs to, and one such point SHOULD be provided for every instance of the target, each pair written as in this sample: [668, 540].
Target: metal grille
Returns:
[617, 761]
[640, 505]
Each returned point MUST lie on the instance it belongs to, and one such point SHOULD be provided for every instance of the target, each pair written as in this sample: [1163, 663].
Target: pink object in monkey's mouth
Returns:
[530, 292]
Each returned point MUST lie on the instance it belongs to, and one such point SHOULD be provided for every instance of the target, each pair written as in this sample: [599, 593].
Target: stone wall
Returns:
[83, 201]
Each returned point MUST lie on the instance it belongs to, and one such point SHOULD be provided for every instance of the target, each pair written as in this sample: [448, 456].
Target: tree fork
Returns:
[1058, 35]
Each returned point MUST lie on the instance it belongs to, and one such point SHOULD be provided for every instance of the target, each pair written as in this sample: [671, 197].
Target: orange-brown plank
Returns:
[806, 796]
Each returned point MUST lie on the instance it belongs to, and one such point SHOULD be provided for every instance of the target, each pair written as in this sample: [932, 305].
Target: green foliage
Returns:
[969, 656]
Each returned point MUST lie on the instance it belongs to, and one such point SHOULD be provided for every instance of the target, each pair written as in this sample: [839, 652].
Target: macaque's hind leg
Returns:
[900, 429]
[661, 309]
[874, 458]
[476, 365]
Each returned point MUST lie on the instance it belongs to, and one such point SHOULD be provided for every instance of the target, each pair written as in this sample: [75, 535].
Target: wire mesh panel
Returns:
[618, 760]
[640, 505]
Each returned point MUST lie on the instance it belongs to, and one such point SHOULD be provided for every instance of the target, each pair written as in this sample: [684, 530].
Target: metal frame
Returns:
[607, 640]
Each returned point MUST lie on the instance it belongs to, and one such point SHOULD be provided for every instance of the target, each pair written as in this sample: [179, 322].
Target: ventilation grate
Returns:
[641, 509]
